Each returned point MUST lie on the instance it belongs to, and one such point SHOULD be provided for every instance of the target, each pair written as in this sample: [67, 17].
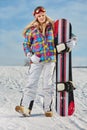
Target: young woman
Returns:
[40, 50]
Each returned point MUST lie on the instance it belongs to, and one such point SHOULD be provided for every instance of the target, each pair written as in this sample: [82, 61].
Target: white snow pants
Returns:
[31, 88]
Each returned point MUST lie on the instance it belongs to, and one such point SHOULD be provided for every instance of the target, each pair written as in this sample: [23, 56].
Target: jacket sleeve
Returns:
[27, 42]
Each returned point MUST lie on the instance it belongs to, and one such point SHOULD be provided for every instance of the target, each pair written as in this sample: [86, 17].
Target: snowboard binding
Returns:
[66, 86]
[62, 48]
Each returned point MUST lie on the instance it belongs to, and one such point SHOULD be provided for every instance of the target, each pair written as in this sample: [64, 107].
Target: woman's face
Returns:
[41, 17]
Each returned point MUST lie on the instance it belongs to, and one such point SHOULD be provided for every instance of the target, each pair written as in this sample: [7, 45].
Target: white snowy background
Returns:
[12, 81]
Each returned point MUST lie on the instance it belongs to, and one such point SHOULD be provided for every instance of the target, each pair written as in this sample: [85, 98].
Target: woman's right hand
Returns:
[35, 59]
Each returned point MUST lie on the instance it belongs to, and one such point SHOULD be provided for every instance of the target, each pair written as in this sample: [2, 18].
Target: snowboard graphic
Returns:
[65, 105]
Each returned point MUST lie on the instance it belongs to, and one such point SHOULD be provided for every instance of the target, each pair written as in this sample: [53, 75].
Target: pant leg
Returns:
[48, 87]
[30, 89]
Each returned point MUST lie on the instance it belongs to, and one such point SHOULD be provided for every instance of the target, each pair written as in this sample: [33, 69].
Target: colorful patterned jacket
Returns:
[39, 44]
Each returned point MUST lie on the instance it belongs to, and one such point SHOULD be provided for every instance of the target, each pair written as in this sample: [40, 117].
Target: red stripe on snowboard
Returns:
[70, 108]
[56, 28]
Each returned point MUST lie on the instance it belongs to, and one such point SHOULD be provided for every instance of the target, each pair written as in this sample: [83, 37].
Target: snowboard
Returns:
[65, 104]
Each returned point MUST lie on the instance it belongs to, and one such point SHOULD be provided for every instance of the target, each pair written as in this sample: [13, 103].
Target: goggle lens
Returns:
[39, 10]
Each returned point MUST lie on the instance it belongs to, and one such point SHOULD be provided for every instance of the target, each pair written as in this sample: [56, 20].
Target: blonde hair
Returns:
[35, 23]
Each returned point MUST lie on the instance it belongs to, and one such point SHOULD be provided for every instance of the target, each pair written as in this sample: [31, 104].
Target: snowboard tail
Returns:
[65, 105]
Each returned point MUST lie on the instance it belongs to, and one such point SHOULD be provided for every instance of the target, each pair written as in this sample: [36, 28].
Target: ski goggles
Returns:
[39, 10]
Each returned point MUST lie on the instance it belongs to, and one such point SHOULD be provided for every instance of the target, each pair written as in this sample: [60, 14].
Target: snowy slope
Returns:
[13, 79]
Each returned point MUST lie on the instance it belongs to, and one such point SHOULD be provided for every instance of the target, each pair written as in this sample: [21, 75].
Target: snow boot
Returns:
[24, 111]
[49, 114]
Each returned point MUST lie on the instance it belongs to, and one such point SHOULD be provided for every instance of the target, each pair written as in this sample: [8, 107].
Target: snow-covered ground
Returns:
[13, 79]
